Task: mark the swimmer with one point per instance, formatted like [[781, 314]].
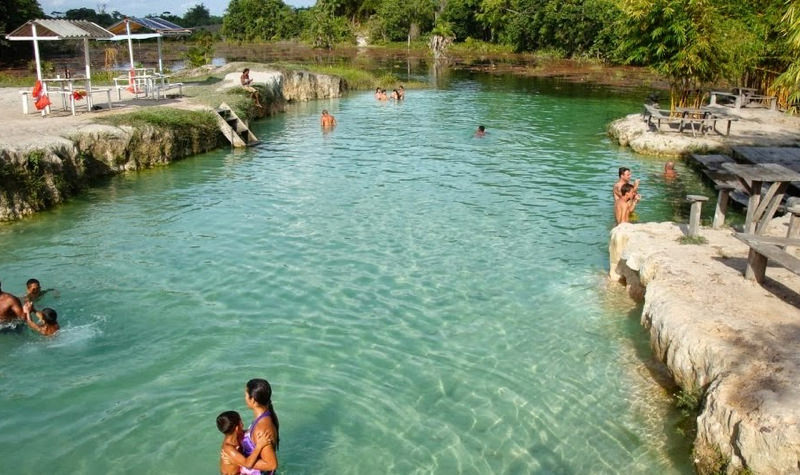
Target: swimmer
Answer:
[[377, 93], [10, 307], [396, 95], [34, 289], [402, 91], [231, 460], [669, 171], [327, 120], [481, 132], [382, 95], [48, 320], [625, 204], [624, 177]]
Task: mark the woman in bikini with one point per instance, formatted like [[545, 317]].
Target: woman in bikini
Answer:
[[258, 396]]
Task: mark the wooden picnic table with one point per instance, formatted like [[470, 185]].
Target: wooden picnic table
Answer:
[[752, 177]]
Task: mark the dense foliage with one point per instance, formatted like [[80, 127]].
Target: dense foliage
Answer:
[[13, 13]]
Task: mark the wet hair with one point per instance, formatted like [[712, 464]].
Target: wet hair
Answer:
[[32, 281], [624, 189], [246, 70], [623, 170], [228, 421], [49, 316], [261, 392], [481, 128], [324, 111]]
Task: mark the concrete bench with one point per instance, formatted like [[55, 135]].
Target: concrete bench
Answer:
[[766, 248], [770, 102], [106, 90], [25, 95], [163, 88], [737, 99]]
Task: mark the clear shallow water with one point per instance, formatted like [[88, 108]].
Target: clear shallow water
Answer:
[[421, 301]]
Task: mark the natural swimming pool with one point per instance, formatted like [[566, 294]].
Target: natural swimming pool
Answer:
[[421, 301]]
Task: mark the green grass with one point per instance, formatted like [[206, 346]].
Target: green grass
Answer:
[[692, 240], [472, 46], [168, 118]]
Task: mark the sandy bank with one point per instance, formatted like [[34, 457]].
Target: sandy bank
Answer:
[[754, 127], [732, 339]]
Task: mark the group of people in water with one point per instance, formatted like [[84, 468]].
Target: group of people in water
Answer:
[[626, 194], [397, 94], [251, 452], [13, 310]]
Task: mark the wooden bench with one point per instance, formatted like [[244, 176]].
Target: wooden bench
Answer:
[[652, 113], [767, 248]]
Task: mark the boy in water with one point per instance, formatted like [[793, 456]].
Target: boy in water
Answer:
[[625, 204], [481, 132], [231, 460], [327, 120], [34, 289], [48, 319]]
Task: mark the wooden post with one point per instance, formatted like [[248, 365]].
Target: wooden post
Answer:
[[793, 207], [722, 205], [694, 213], [756, 266]]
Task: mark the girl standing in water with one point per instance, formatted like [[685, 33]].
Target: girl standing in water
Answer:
[[258, 396]]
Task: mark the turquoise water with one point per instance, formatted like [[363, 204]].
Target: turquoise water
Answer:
[[421, 301]]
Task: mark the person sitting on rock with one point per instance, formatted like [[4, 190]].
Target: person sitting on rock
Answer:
[[247, 86]]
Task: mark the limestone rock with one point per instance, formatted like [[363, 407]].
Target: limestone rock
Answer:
[[729, 338]]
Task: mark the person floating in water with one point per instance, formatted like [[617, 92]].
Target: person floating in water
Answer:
[[258, 396], [48, 319], [327, 120], [231, 460], [10, 307], [481, 132], [625, 204], [669, 171], [625, 177]]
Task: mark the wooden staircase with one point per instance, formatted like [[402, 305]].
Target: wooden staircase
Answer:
[[234, 128]]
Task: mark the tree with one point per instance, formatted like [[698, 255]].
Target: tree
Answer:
[[788, 83], [254, 20], [677, 38], [397, 21], [198, 15], [13, 13]]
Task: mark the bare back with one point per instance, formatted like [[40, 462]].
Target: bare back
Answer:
[[10, 307]]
